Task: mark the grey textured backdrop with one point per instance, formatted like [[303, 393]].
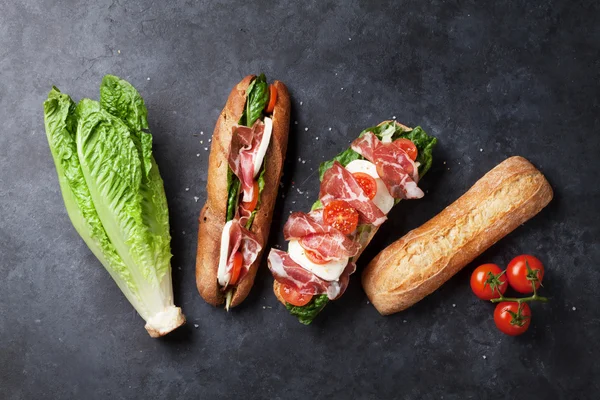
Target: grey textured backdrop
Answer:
[[490, 81]]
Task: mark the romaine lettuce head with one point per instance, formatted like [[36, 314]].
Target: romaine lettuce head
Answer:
[[114, 194]]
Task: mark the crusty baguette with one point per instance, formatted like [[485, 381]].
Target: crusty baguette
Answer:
[[421, 261], [213, 215], [371, 234]]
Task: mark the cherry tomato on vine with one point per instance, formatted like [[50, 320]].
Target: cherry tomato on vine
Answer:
[[487, 280], [511, 318], [522, 271]]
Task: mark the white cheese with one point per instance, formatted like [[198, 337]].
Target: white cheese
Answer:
[[263, 146], [329, 271], [222, 275], [383, 199]]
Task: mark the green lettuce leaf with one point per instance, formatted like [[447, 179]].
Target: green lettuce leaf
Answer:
[[308, 312], [114, 194], [257, 96]]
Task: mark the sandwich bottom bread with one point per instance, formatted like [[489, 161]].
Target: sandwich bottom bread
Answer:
[[421, 261]]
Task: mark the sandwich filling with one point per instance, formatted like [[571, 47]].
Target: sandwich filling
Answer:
[[250, 141], [358, 189]]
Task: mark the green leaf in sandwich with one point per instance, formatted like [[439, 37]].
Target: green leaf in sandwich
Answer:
[[114, 194]]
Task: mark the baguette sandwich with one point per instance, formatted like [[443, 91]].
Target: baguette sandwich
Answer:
[[245, 166], [358, 189], [421, 261]]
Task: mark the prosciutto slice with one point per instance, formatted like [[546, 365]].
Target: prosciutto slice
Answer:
[[339, 184], [286, 271], [244, 148], [241, 239], [394, 166], [325, 241]]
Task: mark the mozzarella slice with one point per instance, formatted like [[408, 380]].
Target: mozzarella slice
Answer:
[[222, 275], [263, 146], [383, 199], [330, 271]]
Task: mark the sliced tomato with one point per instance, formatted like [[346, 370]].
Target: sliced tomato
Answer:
[[367, 184], [251, 205], [272, 99], [314, 257], [408, 146], [292, 296], [238, 260], [341, 215]]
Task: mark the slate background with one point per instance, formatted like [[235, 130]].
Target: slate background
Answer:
[[489, 80]]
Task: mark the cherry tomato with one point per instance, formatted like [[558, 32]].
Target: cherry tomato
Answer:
[[341, 215], [238, 260], [272, 99], [251, 205], [487, 280], [520, 277], [367, 184], [294, 297], [408, 146], [512, 319]]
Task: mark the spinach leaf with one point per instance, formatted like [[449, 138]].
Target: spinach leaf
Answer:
[[257, 96], [308, 312], [234, 194]]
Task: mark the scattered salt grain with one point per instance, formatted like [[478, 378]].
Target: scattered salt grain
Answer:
[[299, 159], [305, 129], [301, 103], [209, 140], [187, 189], [148, 78], [342, 88], [202, 142], [317, 138], [300, 191], [196, 325], [119, 51], [330, 128], [206, 149], [349, 38], [574, 308], [303, 161], [295, 122], [484, 357], [444, 162], [197, 154], [394, 117], [202, 132], [196, 199], [454, 305], [183, 232], [480, 149], [404, 321]]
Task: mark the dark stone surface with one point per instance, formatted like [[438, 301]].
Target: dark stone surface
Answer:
[[490, 81]]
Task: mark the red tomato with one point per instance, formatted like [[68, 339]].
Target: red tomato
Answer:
[[520, 277], [487, 280], [512, 320], [251, 205], [314, 257], [294, 297], [367, 183], [408, 146], [272, 99], [341, 215], [238, 260]]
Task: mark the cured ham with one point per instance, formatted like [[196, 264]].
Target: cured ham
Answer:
[[339, 184], [394, 166], [326, 242], [239, 239], [245, 145], [288, 272]]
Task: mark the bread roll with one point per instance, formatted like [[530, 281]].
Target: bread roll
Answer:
[[422, 260]]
